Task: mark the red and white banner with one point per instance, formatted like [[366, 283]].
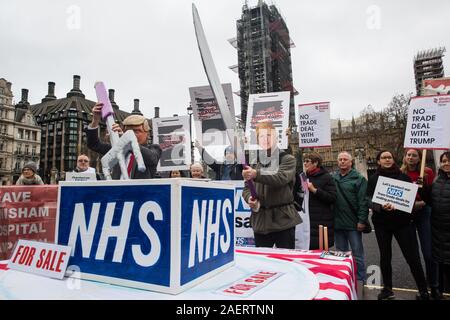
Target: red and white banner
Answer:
[[433, 87], [26, 212], [331, 280], [337, 279]]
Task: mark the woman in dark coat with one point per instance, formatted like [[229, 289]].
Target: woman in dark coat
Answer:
[[322, 196], [422, 214], [440, 221], [388, 223]]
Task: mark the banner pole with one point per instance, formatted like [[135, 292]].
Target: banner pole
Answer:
[[422, 166], [321, 237]]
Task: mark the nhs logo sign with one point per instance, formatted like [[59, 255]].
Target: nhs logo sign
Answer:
[[392, 191], [244, 236], [163, 235]]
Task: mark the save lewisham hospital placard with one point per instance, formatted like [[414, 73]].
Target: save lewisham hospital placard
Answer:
[[398, 193]]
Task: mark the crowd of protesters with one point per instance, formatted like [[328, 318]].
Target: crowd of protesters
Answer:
[[339, 201]]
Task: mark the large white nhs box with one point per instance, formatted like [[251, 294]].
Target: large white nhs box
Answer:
[[164, 235]]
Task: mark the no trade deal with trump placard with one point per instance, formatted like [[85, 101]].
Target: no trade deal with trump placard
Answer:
[[428, 123]]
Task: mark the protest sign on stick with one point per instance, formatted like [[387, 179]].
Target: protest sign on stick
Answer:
[[424, 160], [172, 135], [209, 124], [272, 107], [432, 87], [427, 126], [314, 125]]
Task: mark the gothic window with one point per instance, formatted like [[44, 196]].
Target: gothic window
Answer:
[[73, 125]]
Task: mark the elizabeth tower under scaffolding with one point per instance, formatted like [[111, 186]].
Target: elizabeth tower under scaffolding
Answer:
[[264, 55]]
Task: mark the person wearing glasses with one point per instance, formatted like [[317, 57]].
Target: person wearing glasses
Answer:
[[390, 222], [83, 165], [322, 196]]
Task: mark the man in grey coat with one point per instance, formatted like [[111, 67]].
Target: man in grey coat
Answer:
[[274, 216]]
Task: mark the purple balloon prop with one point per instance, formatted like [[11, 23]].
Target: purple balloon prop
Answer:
[[102, 96], [251, 185]]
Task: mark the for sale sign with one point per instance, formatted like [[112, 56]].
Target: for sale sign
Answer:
[[45, 259]]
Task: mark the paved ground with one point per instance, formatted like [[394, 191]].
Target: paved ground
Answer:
[[403, 282], [401, 276]]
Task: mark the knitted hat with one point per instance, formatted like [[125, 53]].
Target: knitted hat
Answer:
[[30, 165]]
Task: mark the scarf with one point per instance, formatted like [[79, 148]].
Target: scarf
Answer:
[[313, 172], [28, 181], [393, 171]]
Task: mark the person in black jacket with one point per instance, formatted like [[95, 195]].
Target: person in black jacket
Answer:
[[230, 169], [141, 128], [389, 222], [322, 196], [440, 221]]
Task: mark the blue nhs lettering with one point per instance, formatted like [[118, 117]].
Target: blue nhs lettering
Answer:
[[207, 216], [394, 192], [87, 230]]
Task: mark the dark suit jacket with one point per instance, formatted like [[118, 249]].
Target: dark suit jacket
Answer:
[[219, 168], [150, 153]]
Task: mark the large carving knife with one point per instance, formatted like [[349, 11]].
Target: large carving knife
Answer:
[[217, 89]]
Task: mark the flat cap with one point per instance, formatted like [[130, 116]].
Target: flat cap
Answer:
[[136, 120]]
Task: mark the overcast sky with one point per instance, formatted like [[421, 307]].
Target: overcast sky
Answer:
[[350, 52]]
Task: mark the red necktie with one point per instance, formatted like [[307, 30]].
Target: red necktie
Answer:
[[130, 164]]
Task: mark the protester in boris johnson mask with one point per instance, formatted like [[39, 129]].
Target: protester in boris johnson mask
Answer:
[[139, 125]]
